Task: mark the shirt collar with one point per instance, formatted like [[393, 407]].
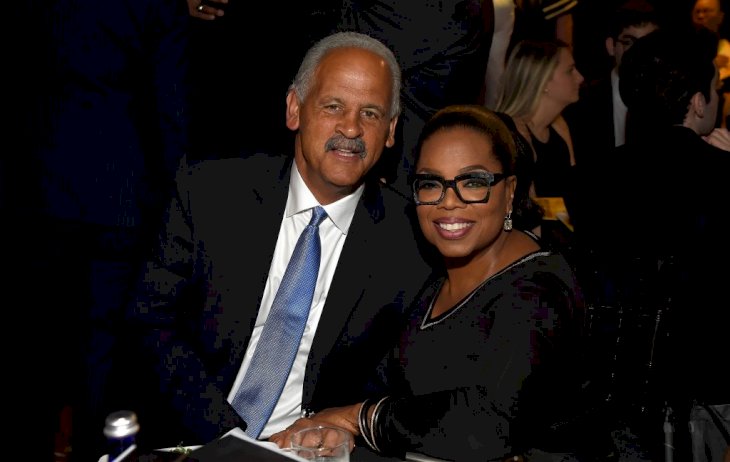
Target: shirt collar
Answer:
[[300, 199]]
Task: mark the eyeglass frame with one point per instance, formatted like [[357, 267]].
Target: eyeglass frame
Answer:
[[493, 179]]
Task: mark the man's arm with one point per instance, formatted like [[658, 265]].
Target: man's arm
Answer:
[[166, 314]]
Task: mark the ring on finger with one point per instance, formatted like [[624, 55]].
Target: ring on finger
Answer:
[[200, 8]]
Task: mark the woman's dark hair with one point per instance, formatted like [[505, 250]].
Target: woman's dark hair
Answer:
[[504, 148]]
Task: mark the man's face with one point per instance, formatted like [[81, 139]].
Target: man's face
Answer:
[[707, 13], [626, 39], [344, 123]]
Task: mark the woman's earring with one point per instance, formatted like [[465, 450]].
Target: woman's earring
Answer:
[[508, 221]]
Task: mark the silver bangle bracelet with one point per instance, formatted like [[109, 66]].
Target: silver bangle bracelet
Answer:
[[372, 422]]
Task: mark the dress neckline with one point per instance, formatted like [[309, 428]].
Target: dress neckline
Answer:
[[428, 322], [535, 138]]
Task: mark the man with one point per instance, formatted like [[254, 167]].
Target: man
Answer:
[[598, 119], [708, 13], [231, 228], [711, 14], [657, 226]]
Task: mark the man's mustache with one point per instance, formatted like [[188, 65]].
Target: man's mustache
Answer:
[[339, 142]]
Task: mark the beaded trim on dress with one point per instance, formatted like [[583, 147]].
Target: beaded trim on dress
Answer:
[[428, 323]]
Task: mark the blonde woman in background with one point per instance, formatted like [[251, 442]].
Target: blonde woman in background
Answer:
[[540, 80]]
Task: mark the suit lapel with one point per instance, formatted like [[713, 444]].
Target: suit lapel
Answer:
[[262, 203], [352, 276]]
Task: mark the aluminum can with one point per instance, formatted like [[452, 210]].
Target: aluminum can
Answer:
[[120, 429]]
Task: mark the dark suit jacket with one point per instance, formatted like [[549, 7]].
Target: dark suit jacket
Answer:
[[591, 127], [658, 241], [442, 49], [202, 294], [591, 121]]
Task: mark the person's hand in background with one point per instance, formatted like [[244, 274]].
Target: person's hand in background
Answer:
[[720, 138], [207, 10]]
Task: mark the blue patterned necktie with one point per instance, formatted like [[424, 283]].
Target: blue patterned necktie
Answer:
[[271, 362]]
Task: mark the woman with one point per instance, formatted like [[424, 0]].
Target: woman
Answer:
[[484, 369], [540, 80]]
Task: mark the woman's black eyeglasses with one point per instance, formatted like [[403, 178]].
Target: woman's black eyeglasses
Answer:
[[471, 188]]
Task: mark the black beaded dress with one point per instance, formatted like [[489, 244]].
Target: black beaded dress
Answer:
[[489, 376], [553, 172]]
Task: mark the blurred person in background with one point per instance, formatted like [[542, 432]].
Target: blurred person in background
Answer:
[[711, 14], [598, 119], [442, 47], [102, 128], [504, 22], [539, 82], [667, 235]]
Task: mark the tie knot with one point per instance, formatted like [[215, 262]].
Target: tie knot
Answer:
[[318, 215]]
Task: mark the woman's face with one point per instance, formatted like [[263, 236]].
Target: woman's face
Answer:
[[456, 228], [564, 85]]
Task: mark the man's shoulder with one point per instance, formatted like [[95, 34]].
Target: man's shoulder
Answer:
[[386, 203], [220, 169], [398, 232]]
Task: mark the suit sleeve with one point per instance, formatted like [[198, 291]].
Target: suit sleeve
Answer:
[[164, 317]]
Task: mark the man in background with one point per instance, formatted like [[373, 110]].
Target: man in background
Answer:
[[656, 231], [598, 119]]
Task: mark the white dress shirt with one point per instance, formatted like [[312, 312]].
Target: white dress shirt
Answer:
[[619, 112], [332, 233]]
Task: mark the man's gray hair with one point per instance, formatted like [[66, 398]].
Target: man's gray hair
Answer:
[[303, 80]]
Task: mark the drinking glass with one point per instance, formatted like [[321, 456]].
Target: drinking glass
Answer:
[[322, 444]]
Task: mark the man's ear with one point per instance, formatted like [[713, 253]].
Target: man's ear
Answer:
[[292, 111], [697, 105], [390, 141], [610, 46]]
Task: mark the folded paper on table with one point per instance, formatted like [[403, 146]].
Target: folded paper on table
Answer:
[[236, 446]]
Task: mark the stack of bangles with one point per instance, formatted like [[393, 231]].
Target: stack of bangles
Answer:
[[369, 430]]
